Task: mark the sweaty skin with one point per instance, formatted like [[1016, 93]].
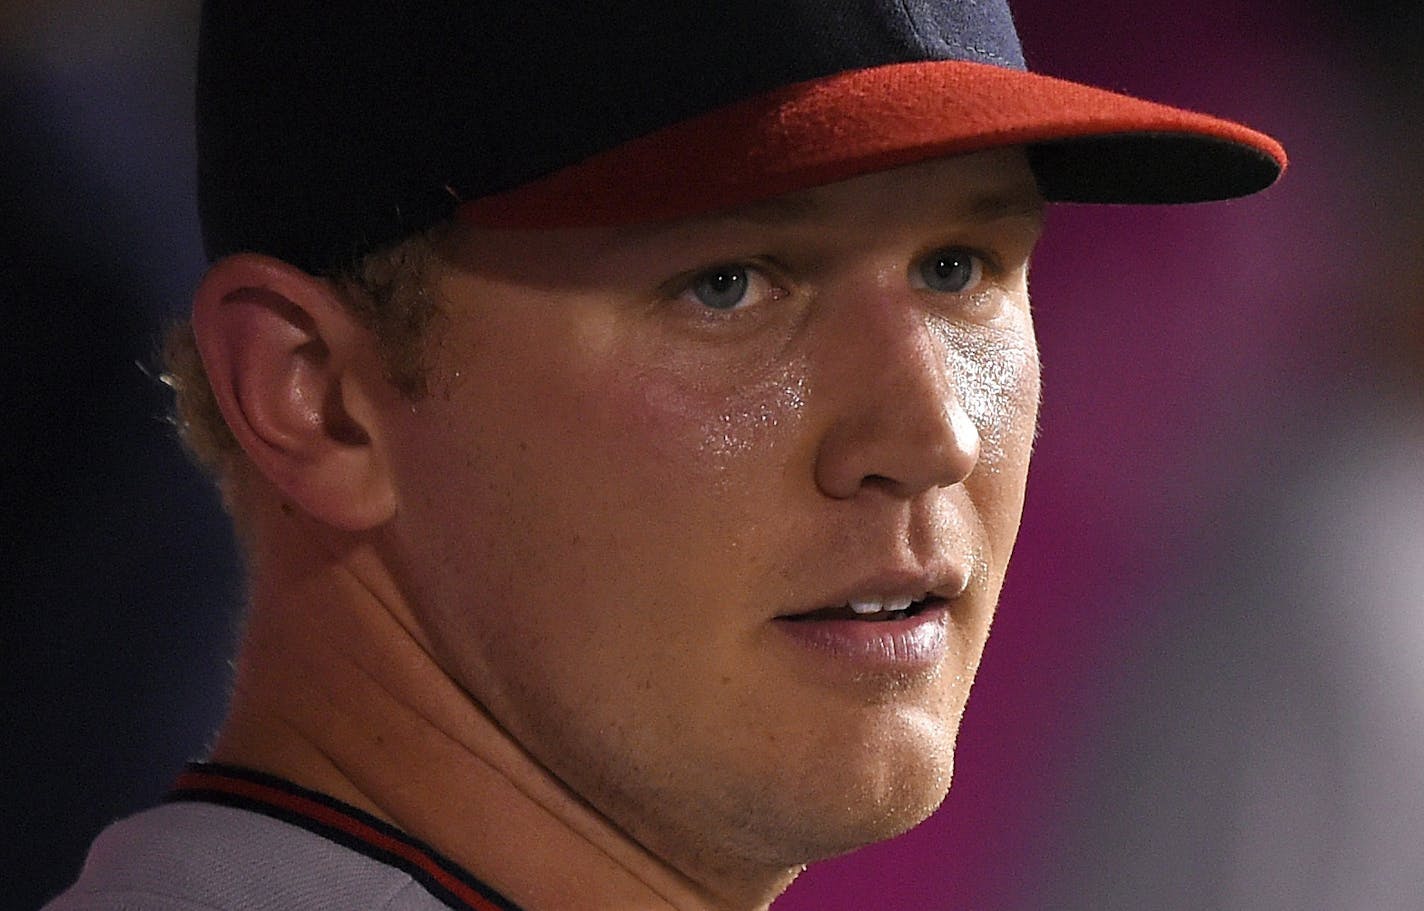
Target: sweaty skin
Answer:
[[569, 648]]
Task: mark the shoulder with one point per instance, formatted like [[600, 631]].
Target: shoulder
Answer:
[[193, 856]]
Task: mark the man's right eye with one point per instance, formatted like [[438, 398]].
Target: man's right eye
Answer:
[[731, 286], [721, 288]]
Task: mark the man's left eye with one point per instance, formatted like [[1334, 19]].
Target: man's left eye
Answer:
[[952, 270], [729, 286]]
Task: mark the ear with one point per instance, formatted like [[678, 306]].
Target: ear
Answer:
[[298, 381]]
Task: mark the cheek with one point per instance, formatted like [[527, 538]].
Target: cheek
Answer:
[[708, 427], [996, 374]]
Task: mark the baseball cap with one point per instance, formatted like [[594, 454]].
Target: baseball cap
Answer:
[[326, 131]]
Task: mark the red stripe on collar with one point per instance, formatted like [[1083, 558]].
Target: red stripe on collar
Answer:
[[342, 823]]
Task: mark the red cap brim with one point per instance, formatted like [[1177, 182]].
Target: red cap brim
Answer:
[[1086, 144]]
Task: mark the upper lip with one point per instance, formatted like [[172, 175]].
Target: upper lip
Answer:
[[893, 585]]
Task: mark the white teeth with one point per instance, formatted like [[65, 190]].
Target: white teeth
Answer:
[[875, 607]]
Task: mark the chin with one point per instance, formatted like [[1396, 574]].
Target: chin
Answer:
[[906, 804], [882, 798]]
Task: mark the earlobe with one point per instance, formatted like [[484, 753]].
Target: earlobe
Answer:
[[296, 378]]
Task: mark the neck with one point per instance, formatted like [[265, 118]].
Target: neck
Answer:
[[337, 691]]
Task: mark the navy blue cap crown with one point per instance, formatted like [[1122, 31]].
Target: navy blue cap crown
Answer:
[[328, 130]]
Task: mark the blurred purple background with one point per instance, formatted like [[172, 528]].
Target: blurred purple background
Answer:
[[1205, 687]]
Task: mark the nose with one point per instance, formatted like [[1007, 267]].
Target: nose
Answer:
[[900, 425]]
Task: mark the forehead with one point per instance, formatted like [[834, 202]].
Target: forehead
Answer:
[[958, 191]]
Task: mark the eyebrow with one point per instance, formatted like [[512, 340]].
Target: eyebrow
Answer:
[[1014, 204]]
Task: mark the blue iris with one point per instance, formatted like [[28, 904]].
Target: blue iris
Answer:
[[721, 288], [952, 271]]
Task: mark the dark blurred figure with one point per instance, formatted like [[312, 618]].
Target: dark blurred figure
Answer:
[[117, 580]]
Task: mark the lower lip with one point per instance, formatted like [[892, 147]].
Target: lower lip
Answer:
[[911, 644]]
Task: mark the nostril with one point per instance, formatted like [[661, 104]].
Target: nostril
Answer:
[[892, 461], [882, 483]]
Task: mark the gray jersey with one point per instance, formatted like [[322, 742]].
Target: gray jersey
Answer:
[[238, 841]]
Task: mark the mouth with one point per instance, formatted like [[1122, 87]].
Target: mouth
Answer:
[[870, 635], [871, 610]]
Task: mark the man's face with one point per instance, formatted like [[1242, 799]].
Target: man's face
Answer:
[[658, 463]]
